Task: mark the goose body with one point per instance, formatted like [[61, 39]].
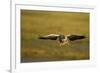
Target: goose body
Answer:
[[62, 38]]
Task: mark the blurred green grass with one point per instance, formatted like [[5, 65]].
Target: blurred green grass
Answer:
[[37, 23]]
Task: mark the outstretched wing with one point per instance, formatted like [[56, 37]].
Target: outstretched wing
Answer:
[[50, 36], [75, 37]]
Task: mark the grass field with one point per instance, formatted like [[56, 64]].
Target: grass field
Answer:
[[38, 23]]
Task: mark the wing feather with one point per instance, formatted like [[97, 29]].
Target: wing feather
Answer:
[[75, 37], [50, 37]]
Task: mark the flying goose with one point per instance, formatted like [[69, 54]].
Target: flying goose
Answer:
[[62, 38]]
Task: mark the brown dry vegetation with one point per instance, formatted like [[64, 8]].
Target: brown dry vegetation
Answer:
[[36, 23]]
